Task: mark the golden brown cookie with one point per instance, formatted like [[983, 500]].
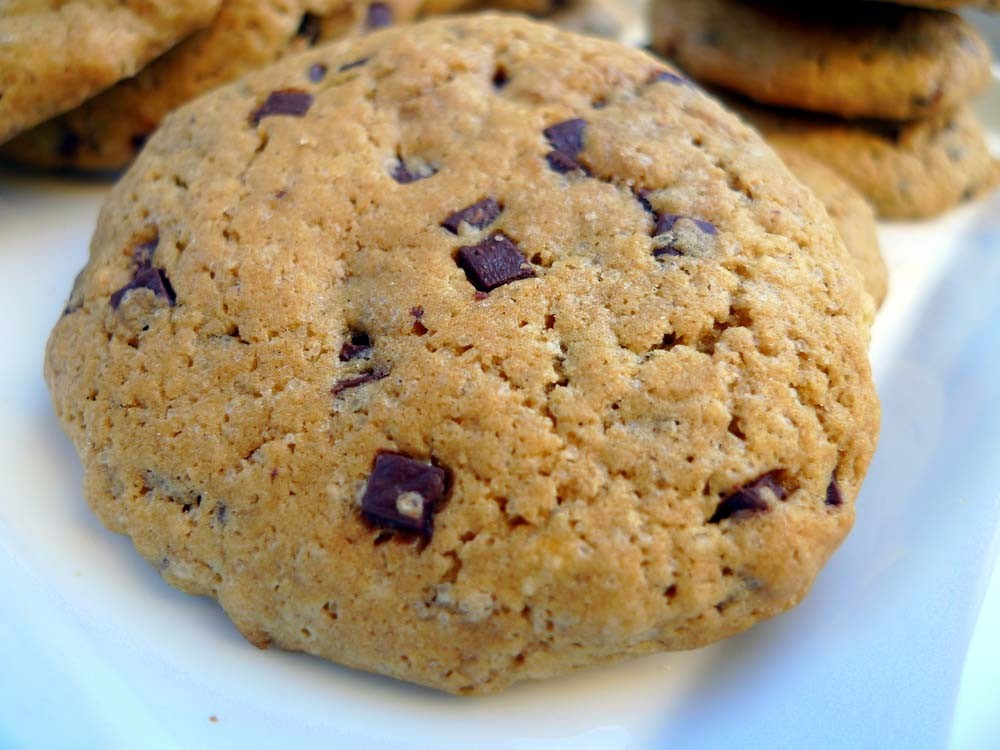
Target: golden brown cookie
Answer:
[[851, 213], [906, 171], [856, 59], [106, 132], [54, 54], [489, 353]]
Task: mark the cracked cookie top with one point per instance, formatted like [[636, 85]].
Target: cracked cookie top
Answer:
[[470, 352]]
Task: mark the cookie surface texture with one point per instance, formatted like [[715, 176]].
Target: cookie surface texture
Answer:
[[53, 55], [494, 353], [106, 132], [852, 215], [853, 60]]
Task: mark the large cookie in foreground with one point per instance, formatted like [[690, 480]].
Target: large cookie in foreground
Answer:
[[470, 352], [106, 132], [53, 55], [854, 59]]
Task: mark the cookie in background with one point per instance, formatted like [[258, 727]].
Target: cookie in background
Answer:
[[878, 92], [55, 55], [106, 132]]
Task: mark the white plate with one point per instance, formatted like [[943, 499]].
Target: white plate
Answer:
[[97, 651]]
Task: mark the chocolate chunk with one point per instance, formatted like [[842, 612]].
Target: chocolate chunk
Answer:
[[479, 215], [317, 72], [667, 249], [403, 493], [833, 496], [378, 15], [493, 262], [354, 64], [748, 499], [563, 164], [154, 279], [290, 102], [138, 140], [367, 377], [402, 174], [500, 77], [665, 222], [310, 28], [567, 136], [666, 75], [142, 254], [359, 346]]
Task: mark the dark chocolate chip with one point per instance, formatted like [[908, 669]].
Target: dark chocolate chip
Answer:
[[154, 279], [666, 75], [310, 28], [403, 494], [378, 15], [667, 249], [354, 64], [500, 77], [493, 262], [833, 496], [359, 346], [142, 254], [138, 140], [317, 72], [666, 222], [563, 164], [402, 174], [367, 377], [479, 215], [748, 498], [567, 136], [290, 102]]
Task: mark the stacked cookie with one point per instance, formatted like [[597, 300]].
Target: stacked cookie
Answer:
[[97, 69], [102, 126], [877, 91], [470, 352]]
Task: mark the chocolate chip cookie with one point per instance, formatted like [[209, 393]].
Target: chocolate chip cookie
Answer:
[[858, 59], [911, 170], [470, 352], [53, 55], [851, 213], [106, 132]]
